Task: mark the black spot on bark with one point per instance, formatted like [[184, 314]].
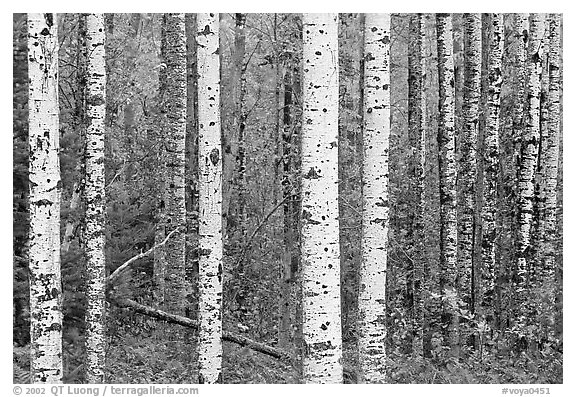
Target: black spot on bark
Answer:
[[96, 100], [215, 156], [204, 252], [312, 174], [45, 32], [374, 28], [206, 30], [49, 18], [318, 53]]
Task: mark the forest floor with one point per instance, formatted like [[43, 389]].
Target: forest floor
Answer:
[[147, 359]]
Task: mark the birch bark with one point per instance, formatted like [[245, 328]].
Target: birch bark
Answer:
[[375, 205], [447, 170], [95, 200], [319, 216], [528, 157], [210, 199], [45, 190], [468, 153]]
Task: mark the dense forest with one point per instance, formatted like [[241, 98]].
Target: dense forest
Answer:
[[287, 198]]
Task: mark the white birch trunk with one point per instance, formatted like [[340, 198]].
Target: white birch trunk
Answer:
[[551, 157], [529, 150], [45, 190], [320, 240], [375, 207], [521, 33], [447, 171], [210, 200], [95, 200], [468, 148]]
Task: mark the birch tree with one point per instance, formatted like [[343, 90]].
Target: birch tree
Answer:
[[95, 200], [551, 156], [44, 199], [210, 200], [528, 154], [468, 145], [375, 207], [490, 164], [319, 215], [447, 170], [417, 138], [520, 49], [174, 106]]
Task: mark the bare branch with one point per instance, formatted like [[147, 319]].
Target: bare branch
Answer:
[[187, 322], [114, 276]]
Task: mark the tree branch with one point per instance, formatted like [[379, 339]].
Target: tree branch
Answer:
[[255, 232], [189, 323], [114, 276]]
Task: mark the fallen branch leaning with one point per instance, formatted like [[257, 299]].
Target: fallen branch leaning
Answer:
[[186, 322]]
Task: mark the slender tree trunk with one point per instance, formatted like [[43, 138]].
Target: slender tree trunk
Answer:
[[537, 237], [240, 120], [490, 164], [528, 158], [210, 200], [447, 168], [375, 205], [130, 108], [417, 137], [80, 120], [44, 199], [159, 179], [174, 108], [468, 147], [289, 256], [521, 34], [320, 237], [192, 166], [551, 156], [95, 201]]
